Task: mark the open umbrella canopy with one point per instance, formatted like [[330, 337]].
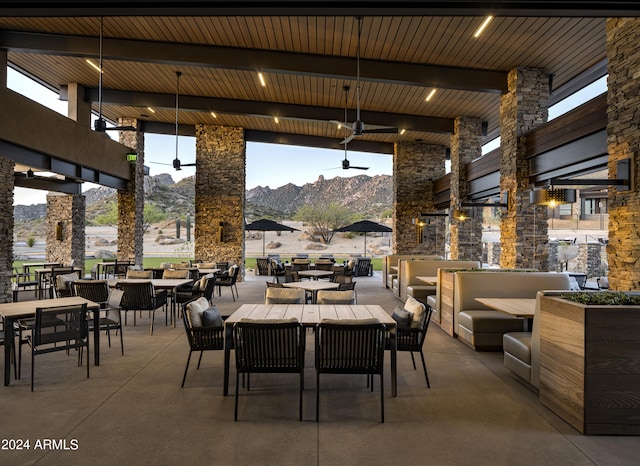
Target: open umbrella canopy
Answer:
[[265, 224], [365, 226]]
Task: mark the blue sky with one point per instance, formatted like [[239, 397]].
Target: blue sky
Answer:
[[272, 165]]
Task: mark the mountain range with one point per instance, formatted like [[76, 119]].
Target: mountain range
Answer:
[[365, 195]]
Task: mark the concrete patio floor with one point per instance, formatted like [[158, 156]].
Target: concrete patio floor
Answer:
[[133, 411]]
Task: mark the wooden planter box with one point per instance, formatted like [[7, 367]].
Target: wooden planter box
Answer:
[[447, 283], [590, 365]]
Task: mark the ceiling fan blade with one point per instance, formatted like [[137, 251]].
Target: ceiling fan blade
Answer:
[[359, 168], [382, 130], [162, 163], [188, 164], [348, 139], [341, 124]]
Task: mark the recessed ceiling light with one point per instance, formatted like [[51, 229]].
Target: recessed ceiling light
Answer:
[[483, 26], [402, 131], [264, 84], [214, 115], [433, 91], [94, 65], [276, 120], [151, 110]]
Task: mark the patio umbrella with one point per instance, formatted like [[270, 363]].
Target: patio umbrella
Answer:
[[267, 225], [365, 226]]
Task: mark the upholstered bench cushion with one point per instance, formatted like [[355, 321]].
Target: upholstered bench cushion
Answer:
[[390, 278], [486, 321], [421, 291], [518, 344]]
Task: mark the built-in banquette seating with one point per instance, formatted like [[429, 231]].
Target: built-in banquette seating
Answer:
[[483, 328], [389, 275], [409, 271], [522, 349]]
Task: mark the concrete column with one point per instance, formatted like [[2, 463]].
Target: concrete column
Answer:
[[523, 228], [466, 235], [415, 166], [65, 228], [220, 193], [6, 227], [623, 128], [131, 200], [77, 109]]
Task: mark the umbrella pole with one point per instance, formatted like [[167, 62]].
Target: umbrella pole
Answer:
[[264, 233], [365, 244]]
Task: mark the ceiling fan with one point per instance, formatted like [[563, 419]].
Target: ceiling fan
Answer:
[[100, 124], [358, 128], [346, 165]]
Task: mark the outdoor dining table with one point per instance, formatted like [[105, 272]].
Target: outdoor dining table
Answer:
[[516, 307], [310, 315], [315, 274], [313, 287], [11, 312]]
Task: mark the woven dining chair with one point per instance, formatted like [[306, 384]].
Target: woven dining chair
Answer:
[[412, 340], [141, 296], [268, 346], [350, 347]]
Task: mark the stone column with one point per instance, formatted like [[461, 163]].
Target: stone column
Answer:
[[466, 235], [220, 193], [65, 228], [131, 200], [415, 166], [523, 228], [77, 109], [6, 227], [623, 128]]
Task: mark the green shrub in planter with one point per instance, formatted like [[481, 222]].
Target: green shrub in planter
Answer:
[[605, 298]]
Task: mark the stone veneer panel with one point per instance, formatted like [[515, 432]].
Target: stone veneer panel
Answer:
[[415, 166], [131, 200], [623, 128], [220, 193], [6, 227], [68, 245], [523, 228], [466, 235]]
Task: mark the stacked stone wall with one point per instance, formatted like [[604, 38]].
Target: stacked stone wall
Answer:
[[623, 128], [220, 193], [131, 200], [65, 223], [6, 228], [466, 235], [523, 228], [415, 166]]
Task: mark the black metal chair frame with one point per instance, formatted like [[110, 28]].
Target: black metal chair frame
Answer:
[[266, 347], [229, 281], [69, 332], [98, 291], [350, 349], [263, 265], [141, 296], [201, 339], [363, 267], [412, 340]]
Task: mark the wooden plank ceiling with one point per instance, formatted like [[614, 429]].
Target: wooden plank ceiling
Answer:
[[565, 46]]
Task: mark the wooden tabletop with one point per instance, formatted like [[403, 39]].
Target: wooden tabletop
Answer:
[[517, 307], [428, 280], [28, 308], [310, 314], [315, 273], [160, 283], [312, 285]]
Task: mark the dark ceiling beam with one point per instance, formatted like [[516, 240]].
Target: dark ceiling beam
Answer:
[[272, 137], [391, 72], [325, 8], [48, 184], [267, 109]]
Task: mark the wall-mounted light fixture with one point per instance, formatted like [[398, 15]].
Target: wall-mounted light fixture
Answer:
[[461, 214], [420, 223], [59, 231], [552, 196]]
